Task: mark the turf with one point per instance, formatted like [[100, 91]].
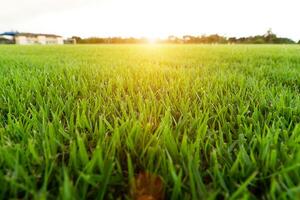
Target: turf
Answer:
[[213, 121]]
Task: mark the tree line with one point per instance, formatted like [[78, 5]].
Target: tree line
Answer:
[[268, 38]]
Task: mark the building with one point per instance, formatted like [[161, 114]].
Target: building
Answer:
[[33, 38]]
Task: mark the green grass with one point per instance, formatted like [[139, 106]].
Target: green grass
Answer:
[[215, 122]]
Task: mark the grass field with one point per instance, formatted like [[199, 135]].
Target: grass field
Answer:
[[213, 122]]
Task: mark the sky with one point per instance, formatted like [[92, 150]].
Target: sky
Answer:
[[151, 18]]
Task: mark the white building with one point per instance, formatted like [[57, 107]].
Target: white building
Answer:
[[32, 38]]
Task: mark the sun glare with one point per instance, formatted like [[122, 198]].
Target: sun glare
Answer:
[[152, 40]]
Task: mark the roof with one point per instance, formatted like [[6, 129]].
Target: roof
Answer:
[[9, 33], [36, 34], [29, 34]]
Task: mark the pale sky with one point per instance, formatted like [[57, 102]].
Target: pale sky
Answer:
[[151, 18]]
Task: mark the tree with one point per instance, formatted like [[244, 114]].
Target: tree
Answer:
[[283, 41], [270, 36], [173, 39], [232, 40], [77, 39], [299, 42]]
